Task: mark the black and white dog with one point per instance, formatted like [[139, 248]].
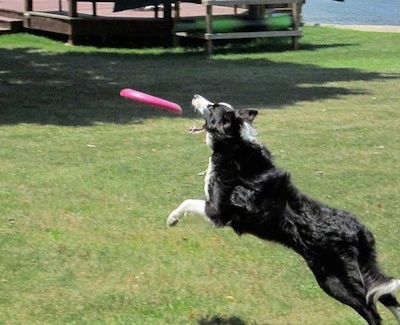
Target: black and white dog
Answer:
[[245, 191]]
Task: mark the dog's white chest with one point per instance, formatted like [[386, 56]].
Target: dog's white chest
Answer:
[[207, 178]]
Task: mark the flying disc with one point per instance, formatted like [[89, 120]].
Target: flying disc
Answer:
[[151, 100]]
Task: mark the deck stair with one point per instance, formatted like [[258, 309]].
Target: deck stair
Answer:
[[10, 25]]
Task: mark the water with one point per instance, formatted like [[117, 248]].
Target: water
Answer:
[[352, 12]]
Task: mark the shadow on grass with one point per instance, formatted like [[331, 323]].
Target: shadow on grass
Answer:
[[220, 320], [272, 45], [80, 88]]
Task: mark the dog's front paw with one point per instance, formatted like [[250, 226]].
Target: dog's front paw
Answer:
[[173, 219]]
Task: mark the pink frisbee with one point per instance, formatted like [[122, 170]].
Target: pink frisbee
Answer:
[[151, 100]]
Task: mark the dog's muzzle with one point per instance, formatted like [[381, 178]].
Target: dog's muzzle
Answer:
[[200, 104]]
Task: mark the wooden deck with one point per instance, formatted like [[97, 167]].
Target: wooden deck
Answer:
[[105, 9], [142, 26], [82, 22]]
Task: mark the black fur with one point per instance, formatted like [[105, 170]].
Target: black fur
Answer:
[[247, 192]]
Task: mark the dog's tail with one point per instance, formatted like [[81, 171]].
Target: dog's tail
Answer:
[[385, 292], [388, 287], [379, 286]]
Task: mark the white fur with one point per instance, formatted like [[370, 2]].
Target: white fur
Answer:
[[225, 104], [209, 140], [192, 207], [248, 133], [187, 207], [207, 178], [388, 287], [200, 103]]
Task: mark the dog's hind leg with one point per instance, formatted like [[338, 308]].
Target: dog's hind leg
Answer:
[[385, 293], [187, 207], [343, 282], [380, 287], [391, 303]]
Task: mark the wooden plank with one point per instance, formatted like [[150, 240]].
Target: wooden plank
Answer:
[[48, 24], [48, 15], [222, 36], [198, 35]]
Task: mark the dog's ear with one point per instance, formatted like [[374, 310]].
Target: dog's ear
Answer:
[[248, 115]]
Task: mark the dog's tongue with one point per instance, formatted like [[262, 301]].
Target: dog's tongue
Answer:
[[196, 130]]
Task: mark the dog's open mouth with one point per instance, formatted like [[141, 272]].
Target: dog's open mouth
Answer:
[[199, 104], [196, 130]]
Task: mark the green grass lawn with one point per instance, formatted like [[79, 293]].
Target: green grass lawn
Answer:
[[88, 178]]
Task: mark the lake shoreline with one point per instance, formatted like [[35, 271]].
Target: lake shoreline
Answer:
[[364, 28]]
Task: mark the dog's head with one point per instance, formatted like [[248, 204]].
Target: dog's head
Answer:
[[223, 122]]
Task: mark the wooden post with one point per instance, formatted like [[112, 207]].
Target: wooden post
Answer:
[[94, 8], [168, 10], [168, 22], [72, 12], [175, 40], [209, 30], [256, 11], [28, 5], [177, 10], [296, 14]]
